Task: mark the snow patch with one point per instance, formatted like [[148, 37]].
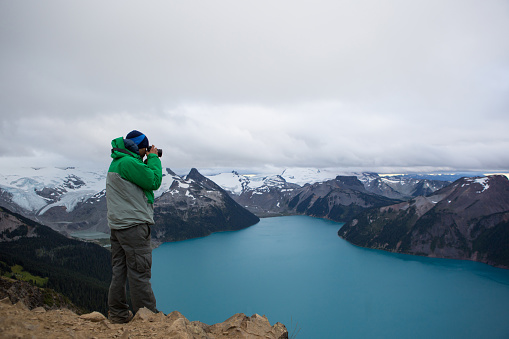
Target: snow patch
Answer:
[[188, 194], [26, 199], [484, 183], [232, 182], [481, 181], [183, 185], [69, 200]]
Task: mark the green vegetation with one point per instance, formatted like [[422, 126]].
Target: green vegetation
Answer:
[[17, 272], [294, 330]]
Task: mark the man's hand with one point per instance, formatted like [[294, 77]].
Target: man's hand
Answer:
[[153, 150]]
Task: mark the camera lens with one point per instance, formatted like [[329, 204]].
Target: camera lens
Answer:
[[159, 152]]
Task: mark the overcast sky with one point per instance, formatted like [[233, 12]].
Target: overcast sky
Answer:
[[375, 85]]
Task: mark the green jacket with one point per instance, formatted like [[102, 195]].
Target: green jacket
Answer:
[[130, 186]]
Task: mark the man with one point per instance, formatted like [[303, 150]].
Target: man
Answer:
[[130, 186]]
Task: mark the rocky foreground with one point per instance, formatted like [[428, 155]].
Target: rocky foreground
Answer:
[[18, 321]]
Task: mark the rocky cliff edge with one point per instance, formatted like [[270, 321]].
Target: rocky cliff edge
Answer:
[[18, 321]]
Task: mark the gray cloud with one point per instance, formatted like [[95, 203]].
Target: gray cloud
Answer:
[[372, 84]]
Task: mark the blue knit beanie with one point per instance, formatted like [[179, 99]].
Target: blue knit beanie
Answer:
[[138, 138]]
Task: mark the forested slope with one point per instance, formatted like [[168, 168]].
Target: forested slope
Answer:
[[79, 270]]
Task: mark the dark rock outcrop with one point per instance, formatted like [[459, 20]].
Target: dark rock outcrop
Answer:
[[468, 219], [32, 296]]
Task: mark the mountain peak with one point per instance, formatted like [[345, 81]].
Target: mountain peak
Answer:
[[170, 172], [201, 179], [194, 173], [351, 182]]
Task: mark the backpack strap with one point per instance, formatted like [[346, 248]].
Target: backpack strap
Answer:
[[121, 150]]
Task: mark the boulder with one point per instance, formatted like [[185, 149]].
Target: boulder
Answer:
[[93, 317]]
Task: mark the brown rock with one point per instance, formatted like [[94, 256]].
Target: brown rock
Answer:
[[108, 324], [94, 317], [19, 322], [19, 305], [125, 335], [170, 318], [256, 326], [179, 325], [157, 317], [6, 301], [39, 309], [143, 314]]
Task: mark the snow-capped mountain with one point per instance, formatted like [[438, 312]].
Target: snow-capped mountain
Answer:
[[72, 199], [195, 206], [236, 183], [36, 190], [394, 187], [268, 197], [271, 195]]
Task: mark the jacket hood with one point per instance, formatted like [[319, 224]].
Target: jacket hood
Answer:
[[120, 143]]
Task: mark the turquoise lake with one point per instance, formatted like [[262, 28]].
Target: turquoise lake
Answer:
[[297, 271]]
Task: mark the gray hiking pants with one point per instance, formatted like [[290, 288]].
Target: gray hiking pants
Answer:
[[131, 258]]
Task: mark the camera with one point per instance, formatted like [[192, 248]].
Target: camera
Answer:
[[159, 151]]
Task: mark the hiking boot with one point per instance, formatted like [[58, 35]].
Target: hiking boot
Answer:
[[121, 321]]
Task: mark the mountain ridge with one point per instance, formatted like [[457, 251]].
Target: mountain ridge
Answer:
[[468, 219], [338, 198], [72, 199]]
